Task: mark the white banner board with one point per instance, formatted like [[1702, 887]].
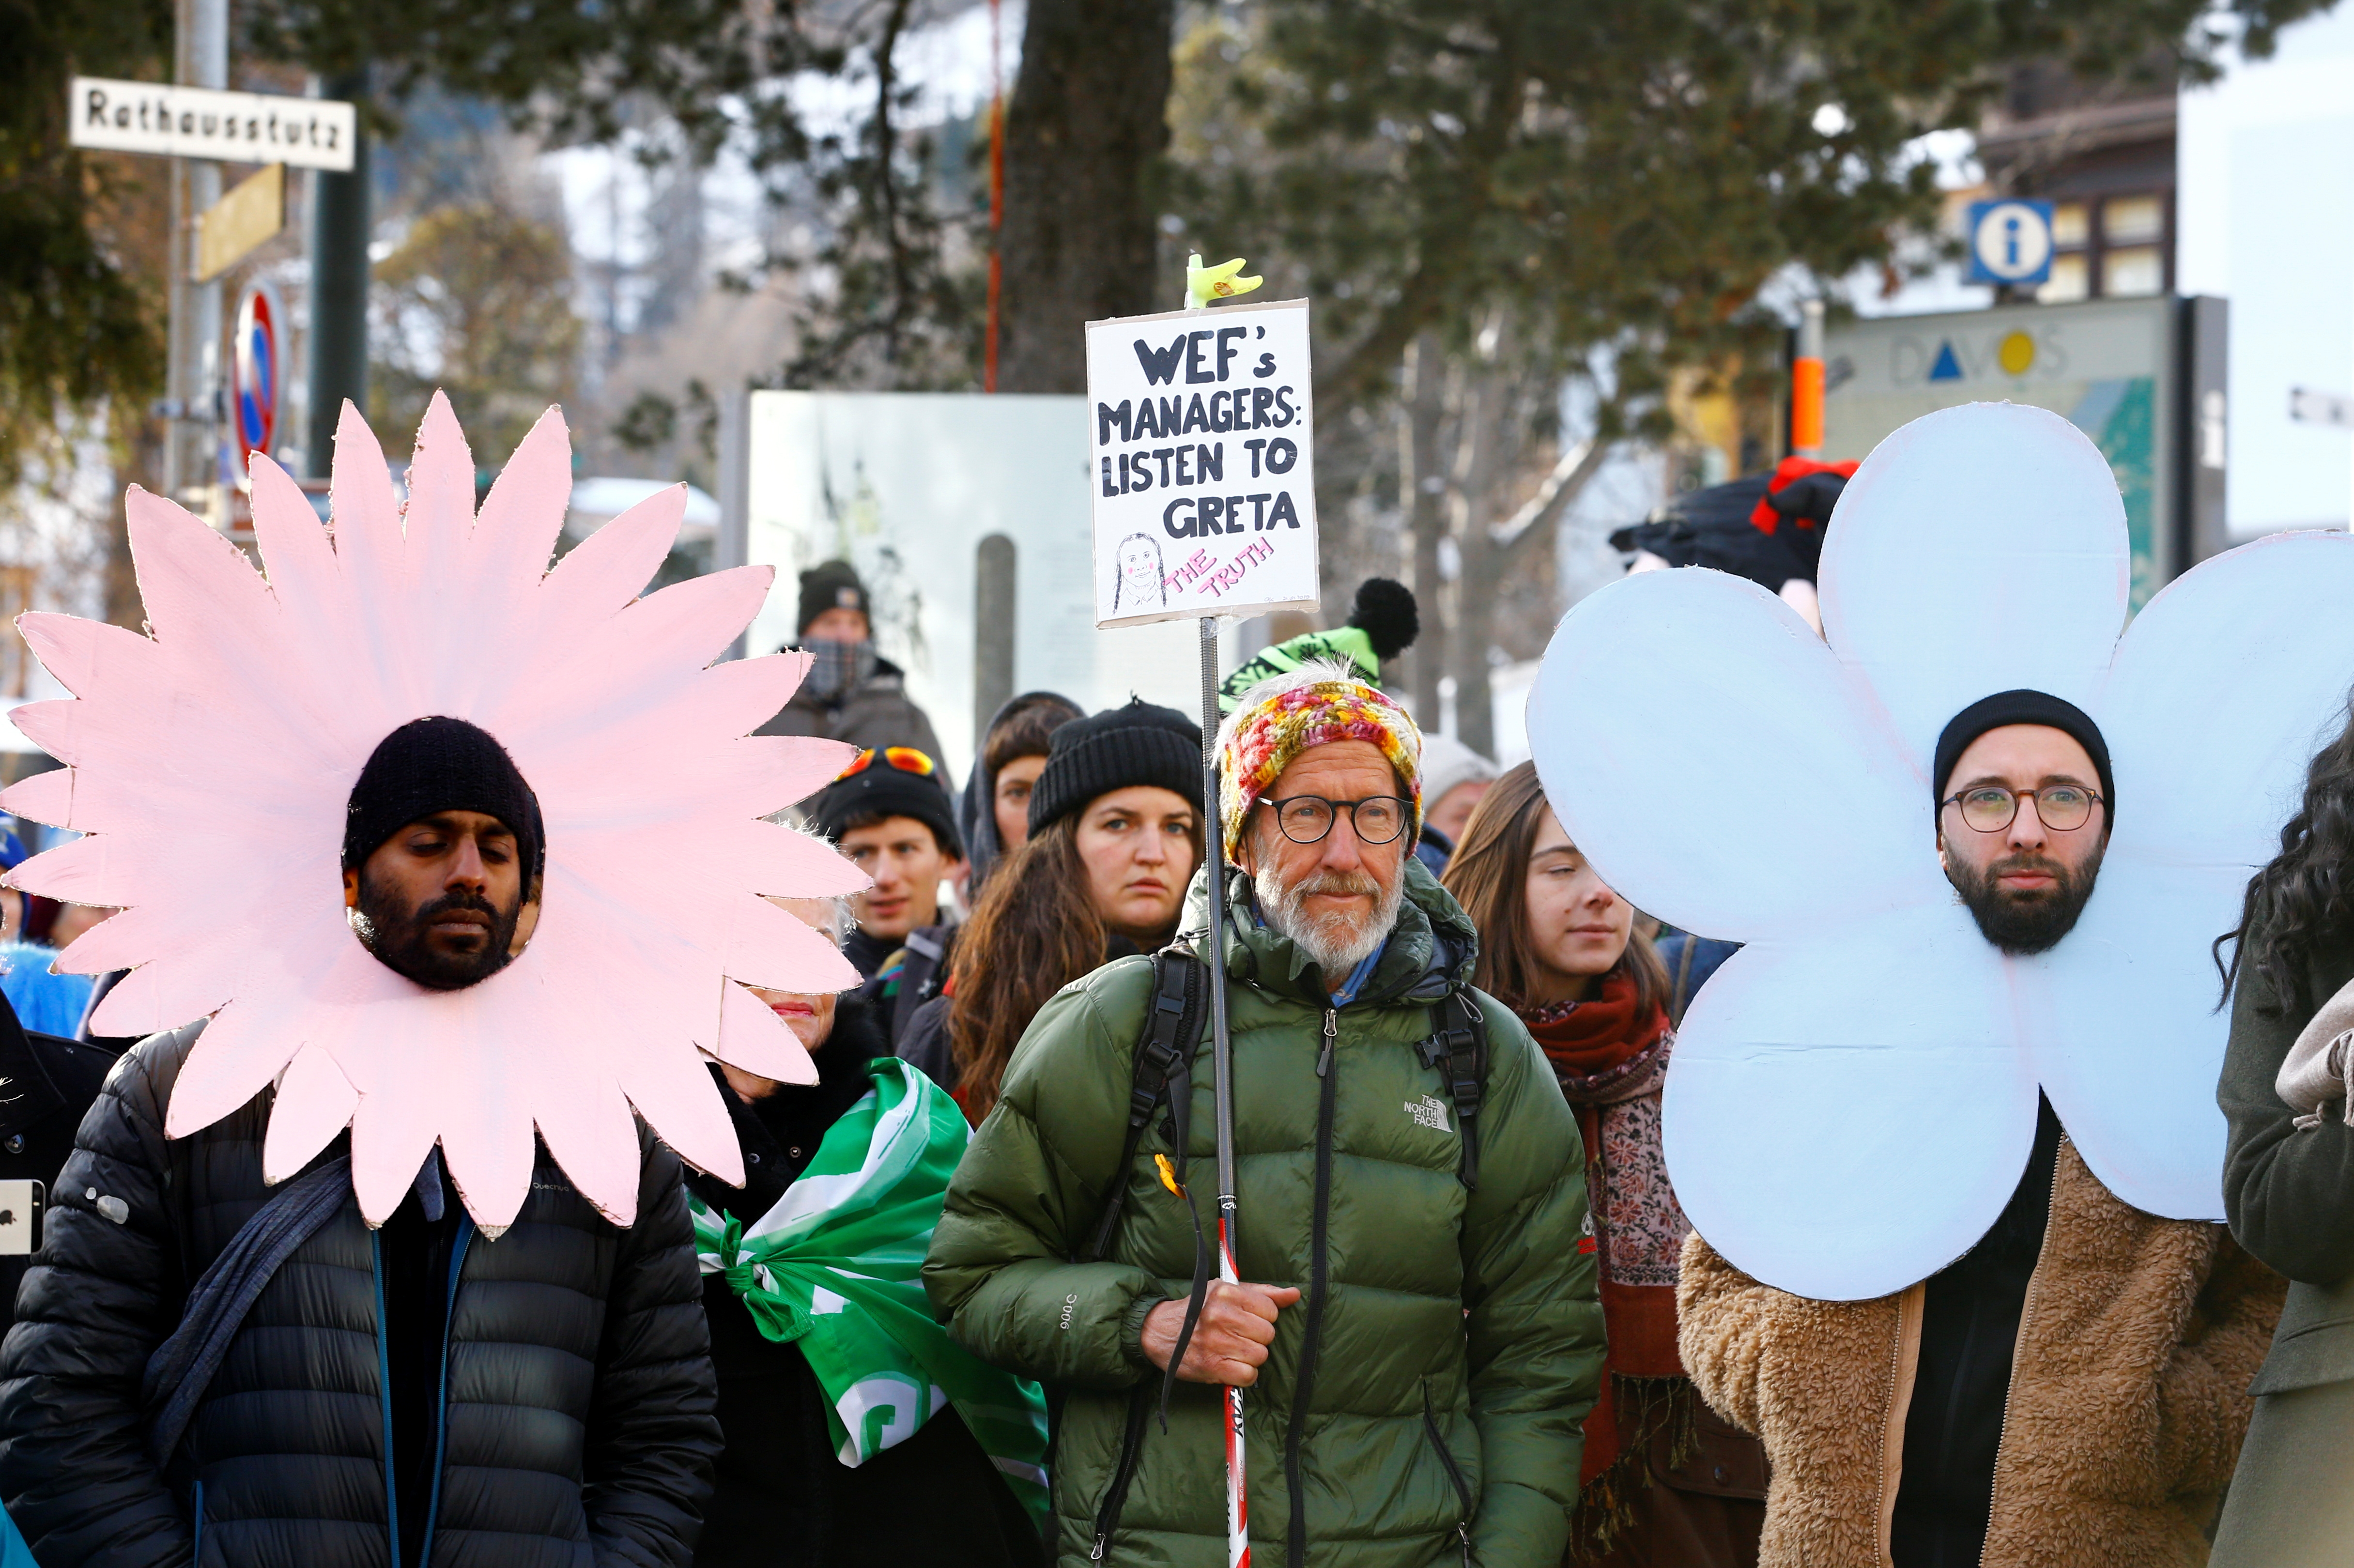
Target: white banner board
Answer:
[[202, 122], [909, 487], [1203, 475]]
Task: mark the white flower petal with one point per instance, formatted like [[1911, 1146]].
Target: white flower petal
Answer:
[[2224, 688], [1719, 767], [1977, 550], [2120, 1025], [1848, 1112]]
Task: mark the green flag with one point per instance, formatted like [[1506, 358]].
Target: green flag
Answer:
[[836, 1268]]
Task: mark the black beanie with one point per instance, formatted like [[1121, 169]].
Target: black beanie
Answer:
[[833, 584], [440, 764], [878, 790], [2022, 707], [1140, 743]]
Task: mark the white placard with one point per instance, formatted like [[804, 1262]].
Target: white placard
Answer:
[[832, 476], [202, 122], [1203, 470]]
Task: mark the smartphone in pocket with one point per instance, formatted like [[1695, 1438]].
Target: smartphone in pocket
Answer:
[[22, 1202]]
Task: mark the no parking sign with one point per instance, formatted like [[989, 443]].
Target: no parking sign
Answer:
[[254, 371]]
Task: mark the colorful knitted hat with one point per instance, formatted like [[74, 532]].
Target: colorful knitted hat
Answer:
[[1313, 705], [1381, 625]]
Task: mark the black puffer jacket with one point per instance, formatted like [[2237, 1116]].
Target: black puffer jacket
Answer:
[[783, 1497], [46, 1086], [578, 1428]]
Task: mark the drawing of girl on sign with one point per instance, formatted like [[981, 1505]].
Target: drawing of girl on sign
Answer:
[[1137, 576]]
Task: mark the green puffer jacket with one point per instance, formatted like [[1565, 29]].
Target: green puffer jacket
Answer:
[[1437, 1419]]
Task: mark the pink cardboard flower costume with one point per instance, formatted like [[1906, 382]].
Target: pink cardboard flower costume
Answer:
[[209, 764]]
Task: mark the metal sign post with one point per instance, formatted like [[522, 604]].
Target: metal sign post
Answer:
[[199, 124], [1222, 1046], [1202, 474], [1222, 1077]]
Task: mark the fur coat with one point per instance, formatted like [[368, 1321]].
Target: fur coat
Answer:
[[2128, 1391]]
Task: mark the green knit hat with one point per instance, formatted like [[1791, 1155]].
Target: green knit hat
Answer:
[[1383, 623]]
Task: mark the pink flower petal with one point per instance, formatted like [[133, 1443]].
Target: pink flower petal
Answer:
[[315, 1102], [213, 763], [121, 942], [751, 1036], [87, 870], [612, 566], [157, 996], [87, 655], [236, 1056], [523, 513], [766, 947], [44, 798], [772, 859]]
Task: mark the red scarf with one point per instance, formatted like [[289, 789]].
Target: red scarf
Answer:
[[1585, 1038], [1604, 1052]]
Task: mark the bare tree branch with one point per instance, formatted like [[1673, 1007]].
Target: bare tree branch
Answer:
[[1577, 466]]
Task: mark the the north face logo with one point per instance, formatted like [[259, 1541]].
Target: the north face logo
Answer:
[[1431, 1113]]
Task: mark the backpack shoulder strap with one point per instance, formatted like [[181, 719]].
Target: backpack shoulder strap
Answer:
[[1679, 996], [1162, 1069], [1458, 1048]]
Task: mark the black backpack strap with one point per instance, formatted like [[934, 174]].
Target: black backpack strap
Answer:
[[1458, 1048], [1680, 995], [1163, 1070]]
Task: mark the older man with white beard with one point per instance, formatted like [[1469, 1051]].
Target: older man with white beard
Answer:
[[1418, 1325]]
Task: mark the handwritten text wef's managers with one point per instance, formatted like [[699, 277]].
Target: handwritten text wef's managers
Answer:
[[1203, 355]]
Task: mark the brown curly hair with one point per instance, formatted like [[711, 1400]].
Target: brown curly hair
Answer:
[[1034, 931]]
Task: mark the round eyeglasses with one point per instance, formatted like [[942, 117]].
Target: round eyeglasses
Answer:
[[1992, 807], [1306, 819]]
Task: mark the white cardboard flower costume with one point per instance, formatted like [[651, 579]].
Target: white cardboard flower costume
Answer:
[[210, 763], [1852, 1097]]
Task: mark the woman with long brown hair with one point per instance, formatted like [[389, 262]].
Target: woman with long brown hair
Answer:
[[1664, 1481], [1115, 836]]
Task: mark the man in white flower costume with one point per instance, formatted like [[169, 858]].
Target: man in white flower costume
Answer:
[[372, 1256], [1947, 1122]]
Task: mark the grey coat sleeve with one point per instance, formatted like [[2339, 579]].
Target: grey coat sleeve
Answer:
[[2288, 1192]]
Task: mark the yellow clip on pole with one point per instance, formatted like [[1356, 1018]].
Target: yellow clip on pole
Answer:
[[1203, 284]]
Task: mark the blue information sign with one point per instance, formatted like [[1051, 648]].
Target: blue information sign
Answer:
[[2010, 241]]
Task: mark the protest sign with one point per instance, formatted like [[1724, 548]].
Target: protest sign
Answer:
[[1203, 472]]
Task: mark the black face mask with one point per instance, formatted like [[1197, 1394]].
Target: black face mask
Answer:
[[2025, 924], [397, 937]]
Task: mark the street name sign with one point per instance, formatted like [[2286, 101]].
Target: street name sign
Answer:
[[204, 122], [227, 231], [2308, 407]]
